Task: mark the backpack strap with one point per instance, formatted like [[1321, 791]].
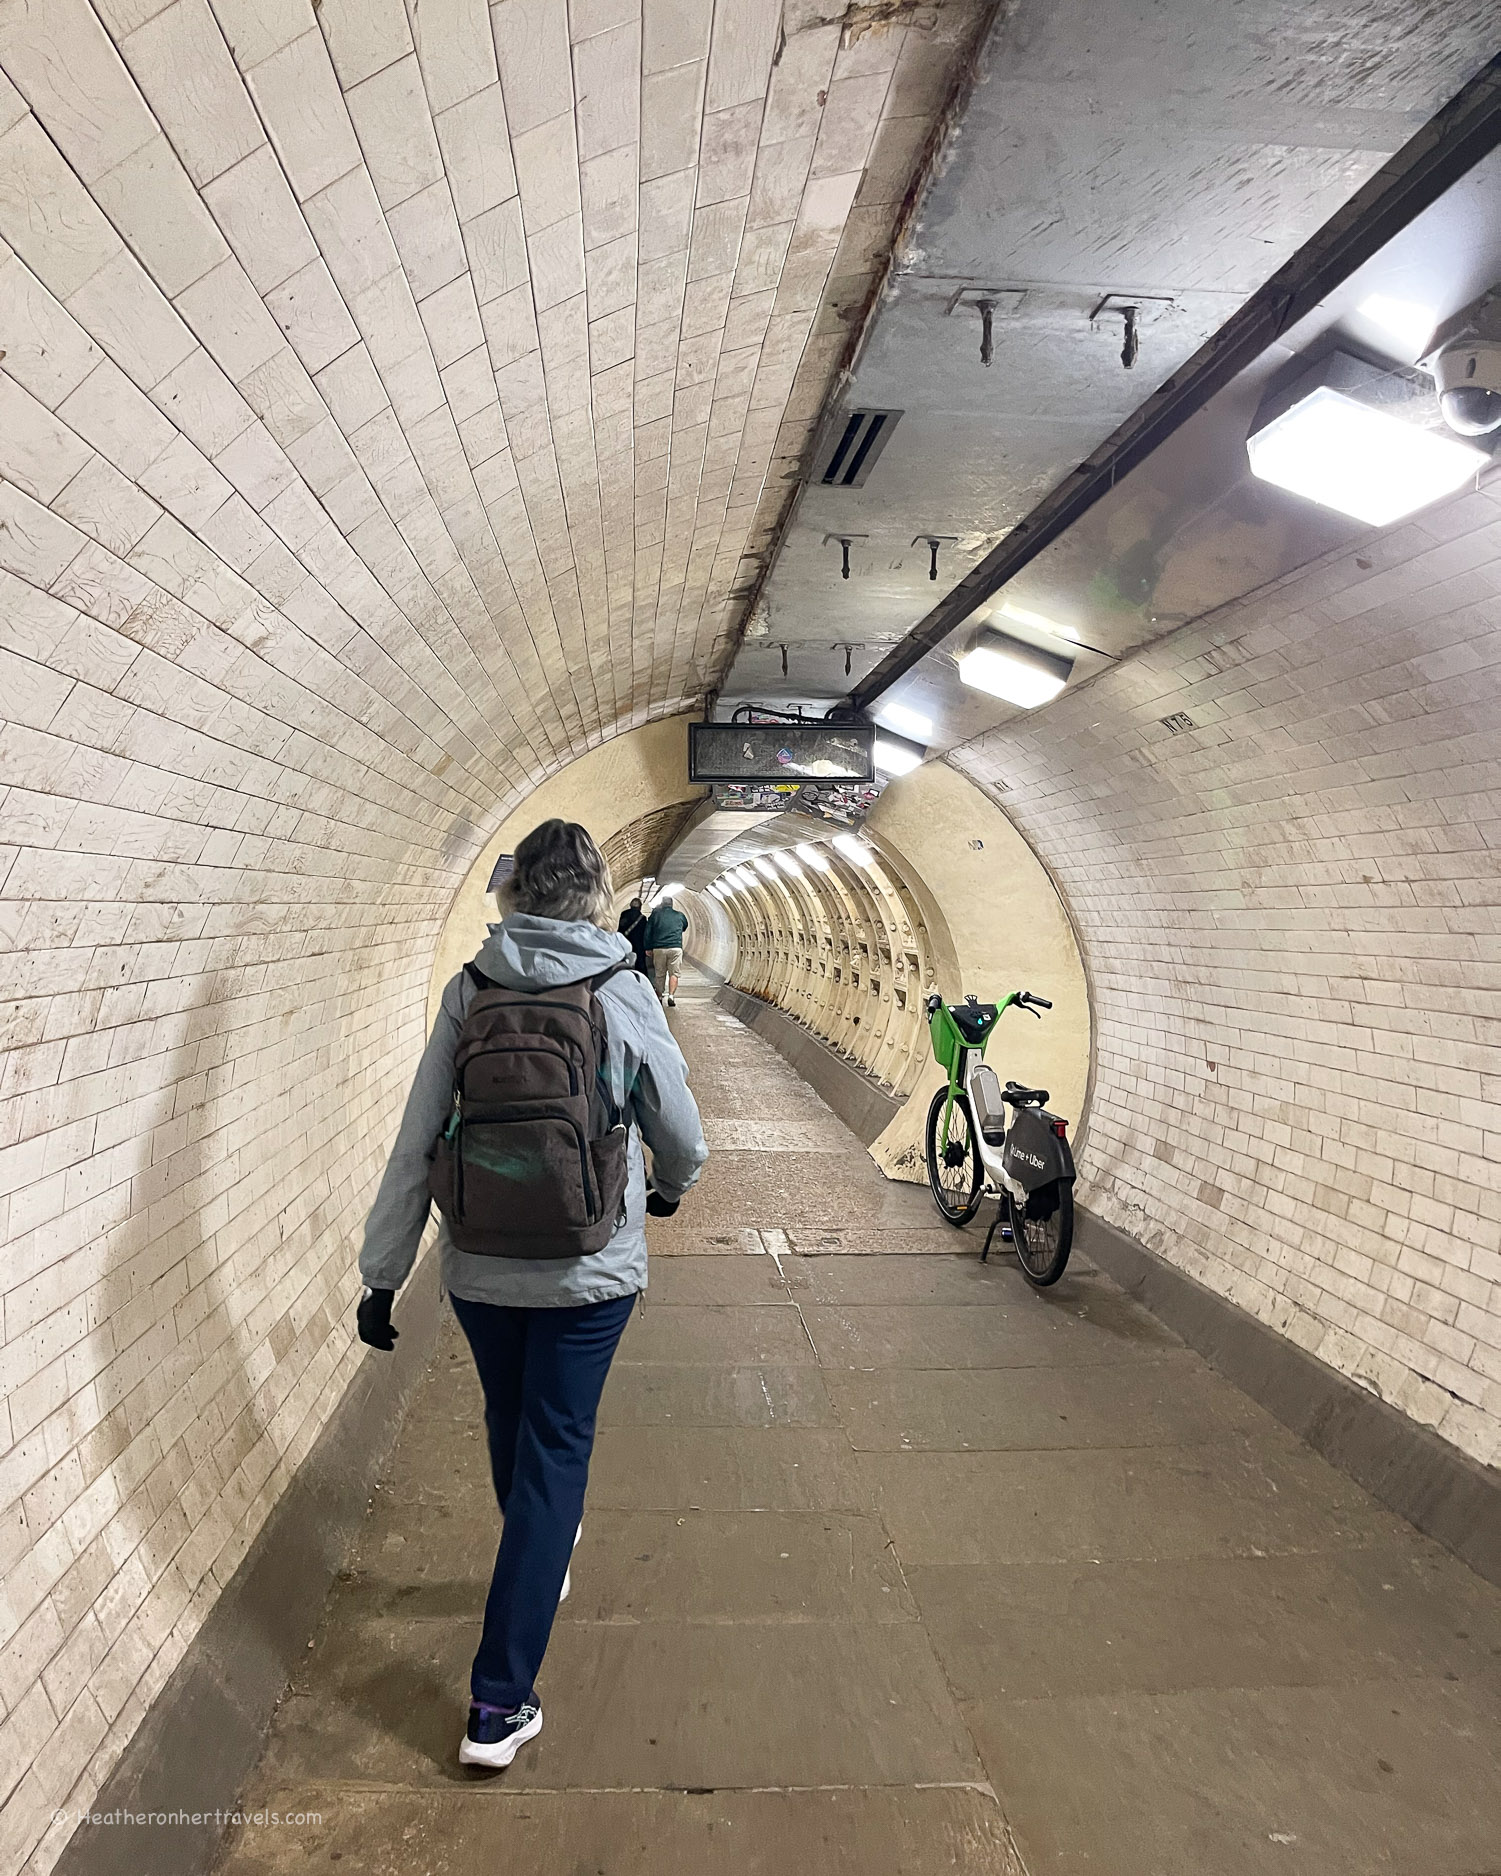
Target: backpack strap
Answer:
[[478, 978], [596, 984]]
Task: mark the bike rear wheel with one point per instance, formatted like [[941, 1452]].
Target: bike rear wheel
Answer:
[[1042, 1231], [955, 1175]]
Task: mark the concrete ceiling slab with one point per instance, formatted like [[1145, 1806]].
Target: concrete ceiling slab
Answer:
[[1171, 155]]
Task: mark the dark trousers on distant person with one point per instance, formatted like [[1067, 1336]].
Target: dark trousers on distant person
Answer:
[[543, 1371]]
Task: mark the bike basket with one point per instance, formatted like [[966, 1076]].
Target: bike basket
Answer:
[[946, 1039]]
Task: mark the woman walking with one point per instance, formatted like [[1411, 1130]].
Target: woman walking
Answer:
[[549, 1063]]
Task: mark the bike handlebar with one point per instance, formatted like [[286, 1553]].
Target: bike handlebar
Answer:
[[1025, 998]]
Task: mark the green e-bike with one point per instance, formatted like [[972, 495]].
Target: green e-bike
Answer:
[[982, 1137]]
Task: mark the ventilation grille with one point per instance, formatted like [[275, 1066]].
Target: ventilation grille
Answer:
[[856, 441]]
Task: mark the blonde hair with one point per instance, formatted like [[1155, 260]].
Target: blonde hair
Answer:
[[559, 873]]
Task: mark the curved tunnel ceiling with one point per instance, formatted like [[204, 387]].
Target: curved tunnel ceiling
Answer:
[[438, 363]]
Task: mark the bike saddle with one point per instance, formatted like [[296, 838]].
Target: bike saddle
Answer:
[[1019, 1096]]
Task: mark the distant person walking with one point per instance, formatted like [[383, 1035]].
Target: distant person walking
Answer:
[[548, 1065], [664, 939], [633, 926]]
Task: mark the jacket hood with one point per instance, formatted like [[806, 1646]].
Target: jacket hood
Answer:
[[528, 953]]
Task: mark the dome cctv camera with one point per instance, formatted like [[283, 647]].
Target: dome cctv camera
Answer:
[[1467, 375]]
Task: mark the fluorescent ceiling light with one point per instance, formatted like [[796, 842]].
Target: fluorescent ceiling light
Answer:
[[1023, 617], [1408, 323], [666, 892], [1359, 461], [907, 722], [747, 876], [787, 863], [810, 856], [764, 867], [854, 849], [895, 758], [1017, 673]]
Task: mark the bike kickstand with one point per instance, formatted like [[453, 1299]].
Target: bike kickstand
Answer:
[[985, 1254]]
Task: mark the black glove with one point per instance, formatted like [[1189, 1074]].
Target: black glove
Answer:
[[374, 1319], [658, 1207]]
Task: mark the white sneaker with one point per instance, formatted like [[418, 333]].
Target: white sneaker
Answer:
[[493, 1739], [568, 1573]]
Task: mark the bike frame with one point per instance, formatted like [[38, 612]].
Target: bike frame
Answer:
[[964, 1058]]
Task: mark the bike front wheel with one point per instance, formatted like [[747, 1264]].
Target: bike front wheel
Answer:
[[954, 1172], [1042, 1231]]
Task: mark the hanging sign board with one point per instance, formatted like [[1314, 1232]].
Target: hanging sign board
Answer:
[[781, 752]]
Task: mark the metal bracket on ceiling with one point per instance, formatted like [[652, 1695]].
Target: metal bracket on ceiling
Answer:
[[987, 302], [844, 541], [1002, 299], [1133, 310], [933, 542]]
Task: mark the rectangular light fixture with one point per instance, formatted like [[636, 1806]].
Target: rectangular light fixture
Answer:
[[907, 722], [787, 863], [1023, 616], [1359, 460], [810, 856], [896, 758], [764, 866], [1012, 670]]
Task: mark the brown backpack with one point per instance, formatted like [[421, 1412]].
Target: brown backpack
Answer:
[[532, 1162]]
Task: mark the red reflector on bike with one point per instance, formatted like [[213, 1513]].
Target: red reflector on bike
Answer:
[[1060, 1127]]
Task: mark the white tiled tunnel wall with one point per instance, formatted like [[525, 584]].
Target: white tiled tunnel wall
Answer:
[[1289, 914], [390, 399]]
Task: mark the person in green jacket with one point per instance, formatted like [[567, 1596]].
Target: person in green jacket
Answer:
[[664, 940]]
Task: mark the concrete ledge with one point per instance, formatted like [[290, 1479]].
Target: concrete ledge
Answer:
[[860, 1102], [205, 1731], [1451, 1497]]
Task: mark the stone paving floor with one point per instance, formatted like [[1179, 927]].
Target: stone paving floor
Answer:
[[891, 1566]]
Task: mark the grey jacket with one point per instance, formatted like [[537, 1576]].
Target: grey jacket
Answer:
[[650, 1082]]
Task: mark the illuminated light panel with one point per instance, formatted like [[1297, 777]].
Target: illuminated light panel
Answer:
[[747, 876], [1023, 617], [787, 863], [811, 856], [906, 723], [1410, 324], [1359, 461], [1019, 674], [894, 758], [854, 849], [764, 866]]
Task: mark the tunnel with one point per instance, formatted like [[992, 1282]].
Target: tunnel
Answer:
[[988, 509]]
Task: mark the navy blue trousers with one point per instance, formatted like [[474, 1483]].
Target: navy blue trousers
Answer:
[[543, 1371]]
